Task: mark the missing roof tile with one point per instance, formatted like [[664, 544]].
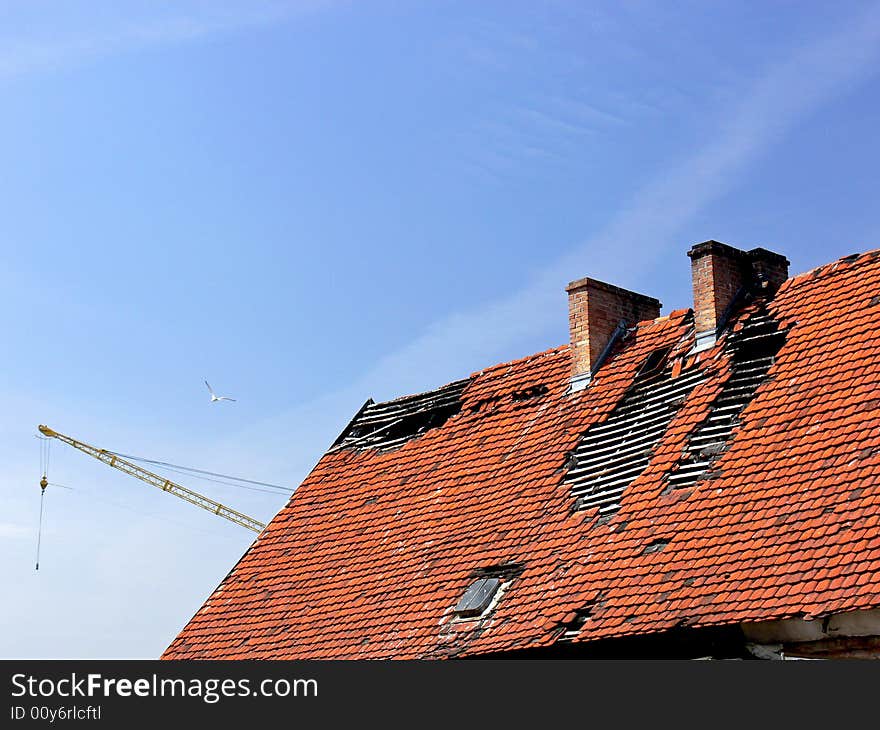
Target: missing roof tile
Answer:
[[506, 571], [519, 397], [655, 546], [573, 624], [533, 391]]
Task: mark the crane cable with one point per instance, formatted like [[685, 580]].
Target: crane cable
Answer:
[[40, 528], [239, 482], [45, 453], [45, 446]]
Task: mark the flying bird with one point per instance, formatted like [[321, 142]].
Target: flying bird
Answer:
[[217, 398]]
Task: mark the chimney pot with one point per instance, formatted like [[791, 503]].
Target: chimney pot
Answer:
[[595, 312]]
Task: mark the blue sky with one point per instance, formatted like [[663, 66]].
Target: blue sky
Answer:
[[311, 203]]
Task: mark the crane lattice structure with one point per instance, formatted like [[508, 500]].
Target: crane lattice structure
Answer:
[[166, 485]]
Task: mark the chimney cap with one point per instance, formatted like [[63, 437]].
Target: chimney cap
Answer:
[[588, 283], [699, 250], [763, 254], [712, 246]]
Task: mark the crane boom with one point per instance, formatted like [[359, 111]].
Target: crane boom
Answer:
[[166, 485]]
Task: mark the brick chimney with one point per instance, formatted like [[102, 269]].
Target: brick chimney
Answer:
[[769, 268], [720, 275], [597, 315]]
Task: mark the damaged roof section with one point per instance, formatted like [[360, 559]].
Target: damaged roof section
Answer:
[[392, 423], [612, 454], [752, 350]]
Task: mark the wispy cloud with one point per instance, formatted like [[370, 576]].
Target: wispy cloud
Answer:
[[583, 112], [501, 146], [813, 75], [52, 46], [544, 119]]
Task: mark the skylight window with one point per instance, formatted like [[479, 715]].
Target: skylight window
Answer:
[[654, 362], [477, 598]]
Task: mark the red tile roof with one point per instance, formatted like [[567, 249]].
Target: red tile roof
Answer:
[[375, 548]]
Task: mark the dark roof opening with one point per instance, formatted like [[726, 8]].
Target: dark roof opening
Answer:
[[393, 423], [655, 546], [533, 391], [572, 626], [654, 362]]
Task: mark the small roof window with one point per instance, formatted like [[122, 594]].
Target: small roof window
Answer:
[[654, 362], [477, 597]]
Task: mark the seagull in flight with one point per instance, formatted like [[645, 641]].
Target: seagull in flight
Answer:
[[217, 398]]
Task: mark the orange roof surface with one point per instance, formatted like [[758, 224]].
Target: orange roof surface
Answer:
[[372, 553]]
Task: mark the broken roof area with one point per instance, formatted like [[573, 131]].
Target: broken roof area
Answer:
[[390, 424], [377, 547]]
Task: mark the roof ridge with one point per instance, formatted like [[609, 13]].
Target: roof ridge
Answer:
[[833, 267], [409, 396], [672, 316], [521, 360], [487, 370]]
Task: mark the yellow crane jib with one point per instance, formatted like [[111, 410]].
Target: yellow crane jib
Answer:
[[166, 485]]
